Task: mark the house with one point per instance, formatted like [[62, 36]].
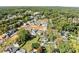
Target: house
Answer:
[[33, 32], [43, 40], [8, 16], [1, 41], [5, 35], [16, 45], [12, 48], [75, 20], [7, 19], [42, 44], [65, 38], [39, 32], [42, 28], [27, 12], [10, 26], [19, 15], [43, 16], [64, 33], [45, 24], [7, 49], [36, 13], [21, 51], [34, 51], [31, 17], [9, 33], [35, 27], [70, 19]]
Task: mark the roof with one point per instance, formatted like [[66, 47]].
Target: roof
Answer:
[[35, 27], [1, 36], [16, 45], [20, 51], [14, 49], [38, 27], [43, 20], [1, 41]]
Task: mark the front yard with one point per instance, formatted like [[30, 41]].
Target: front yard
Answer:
[[28, 45]]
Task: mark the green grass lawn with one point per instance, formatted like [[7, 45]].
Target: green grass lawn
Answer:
[[28, 45], [49, 48]]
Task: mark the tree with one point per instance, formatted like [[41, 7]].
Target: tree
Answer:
[[72, 43], [69, 27], [35, 45], [64, 47], [51, 37], [23, 36]]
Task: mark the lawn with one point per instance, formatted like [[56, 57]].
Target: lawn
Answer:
[[11, 40], [49, 48], [28, 45]]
